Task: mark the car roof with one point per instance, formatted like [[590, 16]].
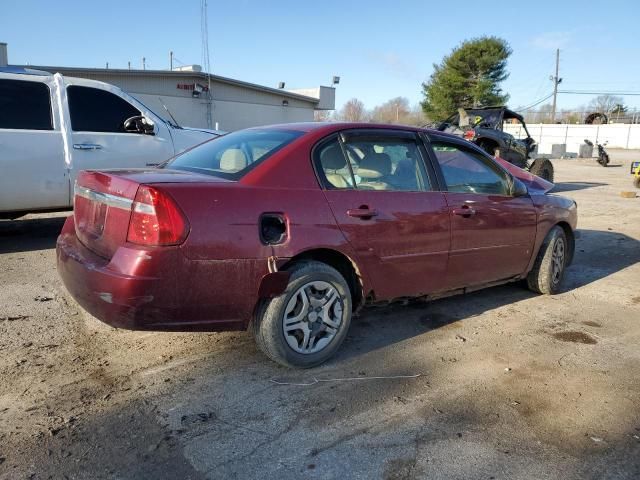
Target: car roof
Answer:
[[329, 127]]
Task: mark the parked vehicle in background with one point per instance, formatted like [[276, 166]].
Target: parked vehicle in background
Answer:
[[289, 229], [51, 127], [603, 156], [635, 171], [484, 127]]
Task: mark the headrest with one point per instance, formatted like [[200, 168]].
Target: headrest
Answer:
[[332, 158], [375, 165], [233, 160]]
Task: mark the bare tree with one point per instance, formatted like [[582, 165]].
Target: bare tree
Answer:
[[322, 115], [605, 104], [353, 111], [395, 110]]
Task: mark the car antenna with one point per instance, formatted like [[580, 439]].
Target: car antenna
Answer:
[[175, 122]]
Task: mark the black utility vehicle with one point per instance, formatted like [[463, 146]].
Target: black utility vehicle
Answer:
[[483, 126]]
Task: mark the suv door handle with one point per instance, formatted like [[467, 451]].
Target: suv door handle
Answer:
[[464, 211], [87, 146], [363, 212]]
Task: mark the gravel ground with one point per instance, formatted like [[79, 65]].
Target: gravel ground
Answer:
[[500, 383]]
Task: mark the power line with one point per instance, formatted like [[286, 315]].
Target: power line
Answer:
[[587, 92], [537, 102]]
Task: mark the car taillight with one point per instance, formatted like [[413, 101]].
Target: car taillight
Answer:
[[469, 135], [156, 220]]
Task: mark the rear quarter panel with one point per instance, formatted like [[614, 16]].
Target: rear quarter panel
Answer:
[[226, 259]]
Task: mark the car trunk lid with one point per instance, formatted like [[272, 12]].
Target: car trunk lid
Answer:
[[104, 202]]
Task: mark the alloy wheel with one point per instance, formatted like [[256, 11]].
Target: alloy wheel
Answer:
[[557, 261], [312, 317]]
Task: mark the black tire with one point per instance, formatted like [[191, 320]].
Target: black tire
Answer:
[[543, 168], [543, 278], [268, 326], [636, 182]]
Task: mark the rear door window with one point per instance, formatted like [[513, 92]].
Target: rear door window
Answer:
[[95, 110], [25, 105], [386, 161]]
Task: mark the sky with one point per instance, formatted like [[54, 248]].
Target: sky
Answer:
[[380, 49]]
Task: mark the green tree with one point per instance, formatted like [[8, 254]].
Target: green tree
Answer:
[[469, 76]]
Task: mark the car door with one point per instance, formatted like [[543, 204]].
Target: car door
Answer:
[[34, 174], [384, 201], [98, 136], [492, 232]]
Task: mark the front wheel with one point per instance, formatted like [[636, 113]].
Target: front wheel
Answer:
[[305, 325], [548, 269]]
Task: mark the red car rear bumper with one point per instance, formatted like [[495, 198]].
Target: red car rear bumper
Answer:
[[159, 289]]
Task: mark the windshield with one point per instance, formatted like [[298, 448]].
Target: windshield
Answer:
[[233, 155]]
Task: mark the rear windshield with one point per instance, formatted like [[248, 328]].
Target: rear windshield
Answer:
[[233, 155]]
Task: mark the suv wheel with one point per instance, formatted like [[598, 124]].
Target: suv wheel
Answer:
[[542, 168]]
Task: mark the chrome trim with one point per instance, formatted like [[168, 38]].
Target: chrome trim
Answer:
[[144, 208], [87, 146], [106, 198]]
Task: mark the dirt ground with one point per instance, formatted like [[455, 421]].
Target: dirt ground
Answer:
[[498, 384]]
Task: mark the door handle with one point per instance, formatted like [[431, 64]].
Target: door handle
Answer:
[[464, 211], [87, 146], [152, 164], [363, 212]]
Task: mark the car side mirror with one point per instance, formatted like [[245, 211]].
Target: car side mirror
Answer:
[[139, 124], [518, 189]]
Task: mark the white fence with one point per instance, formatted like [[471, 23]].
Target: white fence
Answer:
[[617, 135]]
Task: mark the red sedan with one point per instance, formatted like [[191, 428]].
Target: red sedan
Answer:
[[289, 229]]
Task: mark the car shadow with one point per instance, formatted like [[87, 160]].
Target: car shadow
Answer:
[[598, 254], [24, 235], [571, 186]]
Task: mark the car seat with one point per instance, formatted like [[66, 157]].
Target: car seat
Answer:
[[375, 169], [233, 160], [332, 159]]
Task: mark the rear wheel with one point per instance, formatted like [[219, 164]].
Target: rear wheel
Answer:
[[305, 325], [548, 269], [543, 168], [636, 182]]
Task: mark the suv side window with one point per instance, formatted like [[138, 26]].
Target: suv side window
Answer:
[[25, 105], [95, 110], [466, 171]]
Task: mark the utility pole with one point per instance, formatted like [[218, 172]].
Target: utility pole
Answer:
[[171, 60], [556, 81], [144, 63]]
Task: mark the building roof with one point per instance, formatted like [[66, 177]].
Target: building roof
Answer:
[[202, 76]]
